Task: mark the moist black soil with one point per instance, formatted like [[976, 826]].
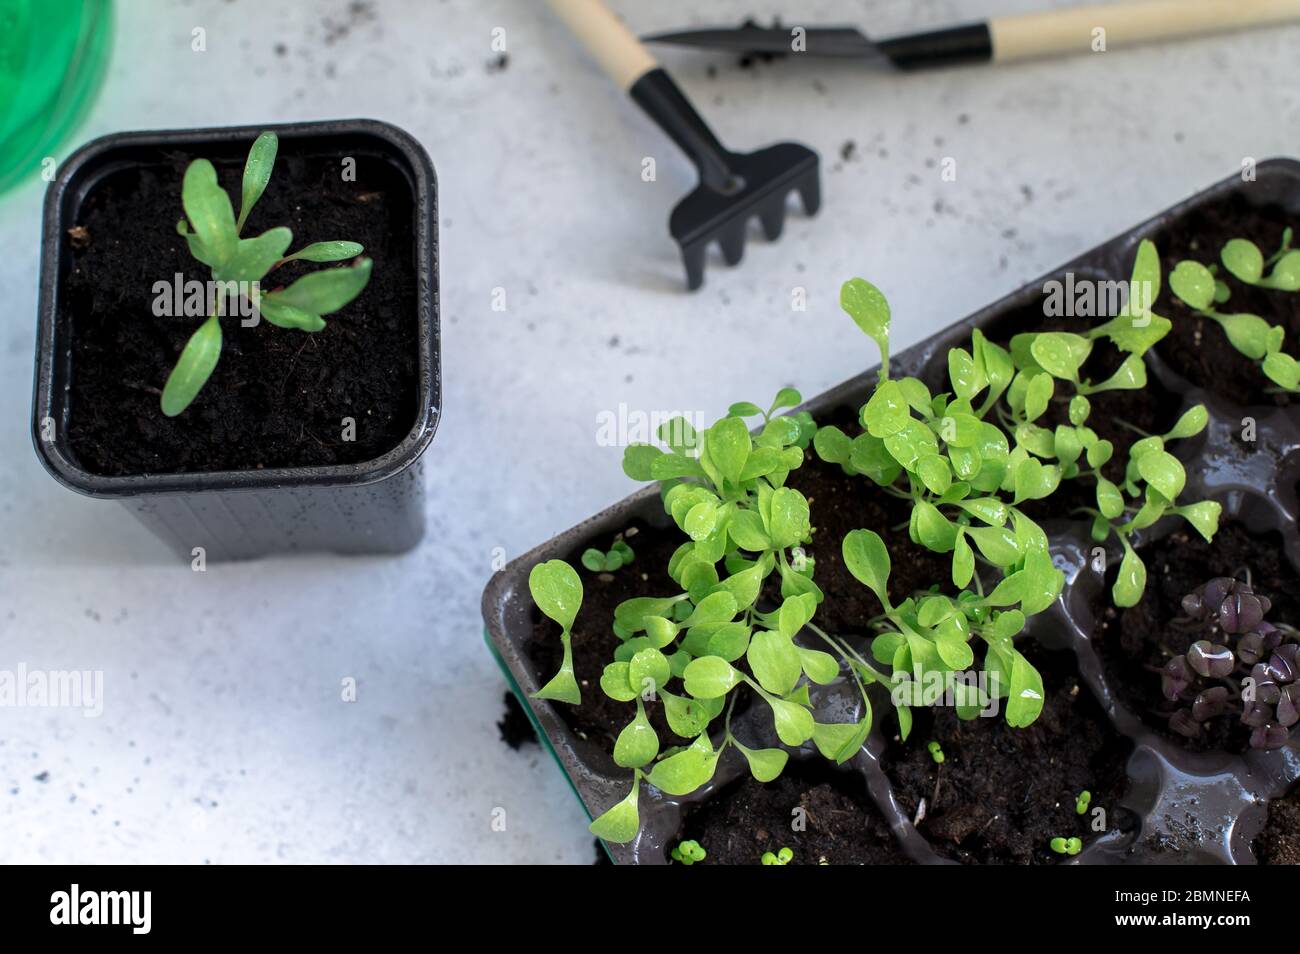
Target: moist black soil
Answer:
[[1133, 641], [514, 725], [278, 397], [841, 825], [1197, 348], [1279, 842], [1002, 794]]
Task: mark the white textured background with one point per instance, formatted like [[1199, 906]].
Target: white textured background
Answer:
[[223, 738]]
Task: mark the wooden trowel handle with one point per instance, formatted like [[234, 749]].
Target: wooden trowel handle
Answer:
[[1073, 29], [614, 46]]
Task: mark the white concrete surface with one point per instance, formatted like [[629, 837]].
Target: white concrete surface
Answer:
[[223, 737]]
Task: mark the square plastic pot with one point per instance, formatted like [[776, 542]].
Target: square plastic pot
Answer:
[[376, 506]]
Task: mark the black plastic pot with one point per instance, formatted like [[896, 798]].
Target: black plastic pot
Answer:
[[1193, 807], [376, 506]]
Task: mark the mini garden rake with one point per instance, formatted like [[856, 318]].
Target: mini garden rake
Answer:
[[734, 187]]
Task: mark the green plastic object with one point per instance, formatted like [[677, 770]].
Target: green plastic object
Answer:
[[53, 56]]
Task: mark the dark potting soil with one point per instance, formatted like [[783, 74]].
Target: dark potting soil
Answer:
[[514, 725], [1279, 842], [278, 397], [840, 823], [1002, 794], [1148, 634], [1197, 348]]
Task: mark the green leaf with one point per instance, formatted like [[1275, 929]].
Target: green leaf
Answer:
[[687, 770], [689, 717], [840, 741], [1283, 370], [1193, 283], [1249, 334], [794, 723], [1025, 699], [963, 562], [637, 744], [1038, 396], [1060, 354], [954, 651], [746, 528], [208, 209], [1129, 376], [1035, 480], [728, 445], [1162, 471], [786, 397], [327, 290], [197, 361], [867, 559], [998, 544], [328, 252], [1204, 516], [718, 607], [286, 316], [1286, 273], [619, 825], [887, 411], [966, 377], [615, 683], [710, 677], [832, 445], [637, 459], [933, 530], [679, 434], [557, 590], [1109, 500], [820, 667], [646, 669], [593, 560], [673, 466], [774, 661], [1244, 260], [257, 173], [869, 309], [1190, 424], [764, 764], [794, 614], [1080, 408], [788, 523], [563, 686], [744, 409], [254, 257], [1132, 579]]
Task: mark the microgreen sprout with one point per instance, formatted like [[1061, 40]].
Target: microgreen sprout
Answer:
[[935, 751], [239, 265], [1244, 666], [688, 852], [1067, 846], [1200, 288], [782, 857], [619, 555], [1082, 802]]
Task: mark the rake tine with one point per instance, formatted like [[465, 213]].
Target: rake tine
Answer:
[[773, 219], [810, 191], [732, 241]]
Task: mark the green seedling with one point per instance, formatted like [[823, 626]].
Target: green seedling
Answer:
[[935, 751], [239, 265], [782, 857], [619, 555], [1200, 288], [1082, 802], [963, 478], [1067, 846], [688, 853]]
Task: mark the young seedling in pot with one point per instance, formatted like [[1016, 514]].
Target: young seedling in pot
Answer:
[[688, 853], [619, 556], [239, 265], [1201, 289], [1244, 666], [782, 857]]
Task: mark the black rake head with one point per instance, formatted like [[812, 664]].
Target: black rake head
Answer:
[[759, 185]]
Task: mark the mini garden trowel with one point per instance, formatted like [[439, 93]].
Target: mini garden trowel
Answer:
[[734, 187], [1084, 29]]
